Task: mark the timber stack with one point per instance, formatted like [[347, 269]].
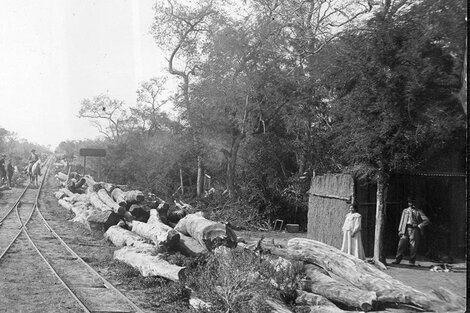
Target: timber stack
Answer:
[[144, 230]]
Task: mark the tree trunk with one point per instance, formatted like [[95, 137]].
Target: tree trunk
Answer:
[[121, 237], [208, 233], [181, 181], [232, 162], [463, 90], [200, 177], [320, 283], [155, 230], [189, 246], [316, 303], [361, 274], [380, 214], [149, 265], [119, 196], [103, 195]]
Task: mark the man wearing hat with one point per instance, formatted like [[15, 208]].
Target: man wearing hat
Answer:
[[410, 230], [3, 173], [33, 158]]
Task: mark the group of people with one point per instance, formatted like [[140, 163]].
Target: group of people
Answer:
[[410, 229], [7, 169]]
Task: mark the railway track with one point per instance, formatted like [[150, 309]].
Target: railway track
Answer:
[[39, 272]]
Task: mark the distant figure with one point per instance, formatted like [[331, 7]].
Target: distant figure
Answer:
[[411, 225], [10, 171], [3, 173], [33, 158], [352, 239]]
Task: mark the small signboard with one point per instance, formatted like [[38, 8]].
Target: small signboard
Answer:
[[92, 152]]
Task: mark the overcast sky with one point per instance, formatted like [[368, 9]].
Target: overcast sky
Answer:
[[55, 53]]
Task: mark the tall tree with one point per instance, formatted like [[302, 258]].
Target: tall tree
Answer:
[[395, 103]]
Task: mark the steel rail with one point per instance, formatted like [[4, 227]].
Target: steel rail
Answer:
[[24, 229], [105, 282], [13, 207]]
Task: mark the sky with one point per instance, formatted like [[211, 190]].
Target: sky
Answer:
[[55, 53]]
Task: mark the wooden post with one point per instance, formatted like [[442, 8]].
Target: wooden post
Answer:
[[379, 257], [181, 181], [200, 177], [84, 165]]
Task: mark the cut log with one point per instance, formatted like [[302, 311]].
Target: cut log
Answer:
[[67, 192], [119, 196], [100, 221], [189, 246], [103, 195], [363, 275], [61, 176], [316, 303], [82, 212], [156, 231], [65, 204], [134, 196], [60, 195], [121, 237], [149, 265], [139, 212], [208, 233], [80, 198], [175, 215], [320, 283], [97, 203], [108, 187]]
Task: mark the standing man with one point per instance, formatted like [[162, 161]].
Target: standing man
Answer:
[[410, 230], [3, 173], [33, 158], [10, 171]]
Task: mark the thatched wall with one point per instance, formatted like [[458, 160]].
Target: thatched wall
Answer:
[[329, 199]]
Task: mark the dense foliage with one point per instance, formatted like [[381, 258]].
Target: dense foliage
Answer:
[[275, 90]]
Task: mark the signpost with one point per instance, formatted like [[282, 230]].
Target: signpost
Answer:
[[84, 152]]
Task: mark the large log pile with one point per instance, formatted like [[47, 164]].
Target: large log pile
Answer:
[[146, 231], [358, 284], [143, 232]]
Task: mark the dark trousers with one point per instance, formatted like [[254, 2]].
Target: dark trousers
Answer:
[[412, 237]]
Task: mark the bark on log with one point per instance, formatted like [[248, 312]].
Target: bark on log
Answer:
[[80, 198], [121, 237], [363, 275], [65, 204], [156, 231], [103, 194], [108, 187], [189, 246], [61, 177], [97, 203], [139, 212], [321, 284], [208, 233], [149, 265], [82, 212], [67, 192], [60, 195], [134, 196], [316, 303], [100, 221], [119, 196]]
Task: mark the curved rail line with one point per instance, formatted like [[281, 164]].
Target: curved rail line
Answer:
[[81, 300]]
